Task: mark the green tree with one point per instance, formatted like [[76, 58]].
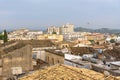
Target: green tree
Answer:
[[112, 41], [5, 36], [54, 32], [1, 36], [92, 41]]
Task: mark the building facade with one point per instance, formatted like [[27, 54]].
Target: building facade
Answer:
[[16, 59], [24, 34], [53, 29], [54, 57], [50, 37], [67, 28]]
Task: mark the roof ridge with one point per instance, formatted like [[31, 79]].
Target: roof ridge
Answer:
[[77, 71]]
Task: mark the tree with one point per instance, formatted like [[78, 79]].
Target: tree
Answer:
[[1, 36], [54, 32], [5, 36], [112, 41], [92, 41]]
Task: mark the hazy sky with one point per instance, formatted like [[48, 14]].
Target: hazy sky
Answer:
[[43, 13]]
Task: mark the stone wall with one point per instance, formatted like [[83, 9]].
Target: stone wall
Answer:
[[53, 59], [18, 58]]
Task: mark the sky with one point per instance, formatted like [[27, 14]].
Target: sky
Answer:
[[37, 14]]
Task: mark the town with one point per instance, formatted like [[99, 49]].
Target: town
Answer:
[[59, 53]]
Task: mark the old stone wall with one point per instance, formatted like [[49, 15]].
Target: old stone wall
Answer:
[[53, 59], [18, 58]]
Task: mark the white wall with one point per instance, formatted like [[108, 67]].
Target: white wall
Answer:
[[70, 56], [16, 70], [77, 65], [41, 55]]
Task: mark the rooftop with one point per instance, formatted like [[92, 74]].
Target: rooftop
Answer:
[[10, 47], [7, 43], [112, 78], [63, 72], [98, 47], [39, 43], [82, 50], [54, 51], [66, 42], [113, 53], [14, 47], [78, 61], [117, 63]]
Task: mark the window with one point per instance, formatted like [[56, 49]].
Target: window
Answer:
[[58, 61], [53, 61], [66, 46], [47, 59]]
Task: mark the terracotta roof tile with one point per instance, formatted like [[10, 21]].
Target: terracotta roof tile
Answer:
[[63, 72]]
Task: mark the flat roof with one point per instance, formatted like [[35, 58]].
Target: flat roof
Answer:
[[54, 51], [117, 63], [77, 61]]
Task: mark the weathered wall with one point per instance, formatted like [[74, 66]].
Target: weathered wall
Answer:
[[18, 58], [53, 59]]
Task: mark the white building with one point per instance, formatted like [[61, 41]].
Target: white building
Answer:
[[118, 39], [53, 29], [76, 61], [33, 34], [24, 34], [67, 28], [73, 36]]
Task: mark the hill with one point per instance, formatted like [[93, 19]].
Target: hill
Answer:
[[101, 30]]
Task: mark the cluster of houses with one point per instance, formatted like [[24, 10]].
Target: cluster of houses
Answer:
[[28, 51], [24, 56]]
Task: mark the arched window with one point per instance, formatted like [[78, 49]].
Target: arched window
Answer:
[[66, 46], [53, 61], [47, 59], [58, 61]]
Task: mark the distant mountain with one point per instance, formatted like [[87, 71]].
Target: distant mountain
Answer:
[[77, 29], [101, 30]]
